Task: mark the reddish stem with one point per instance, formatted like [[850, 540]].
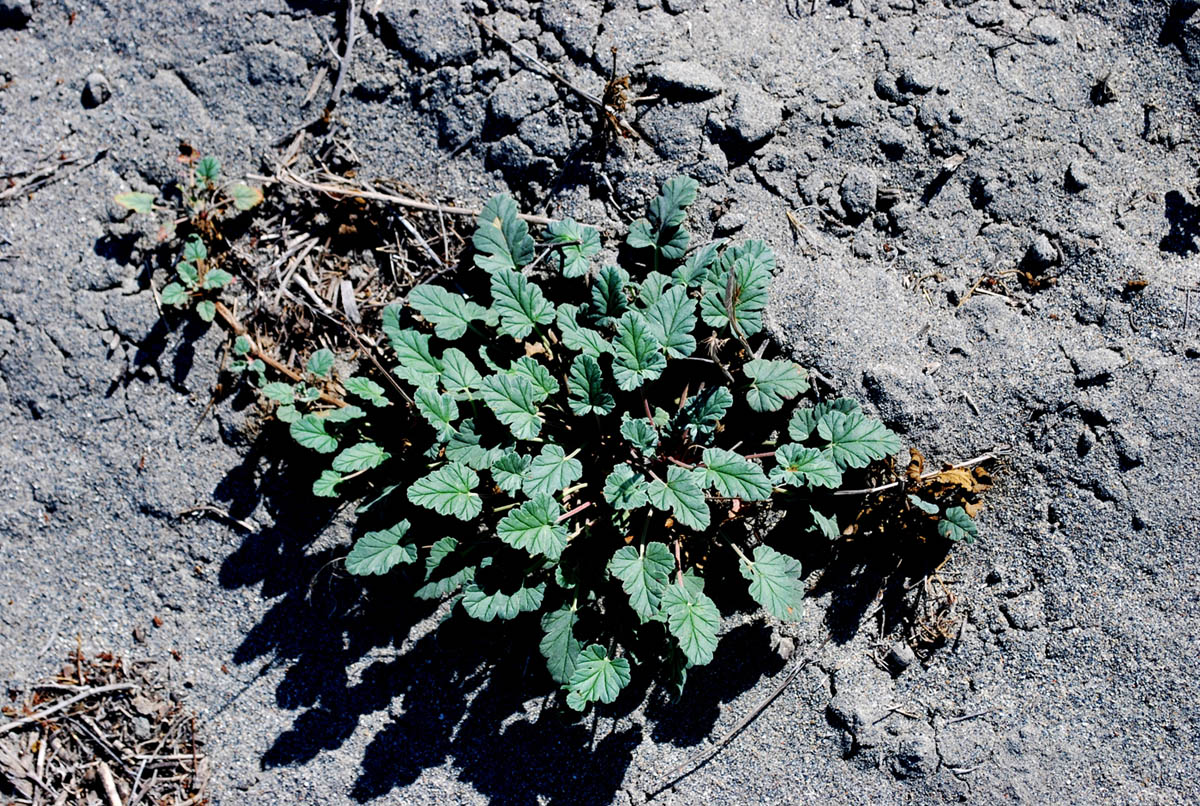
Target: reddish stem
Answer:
[[574, 511], [673, 460], [763, 455]]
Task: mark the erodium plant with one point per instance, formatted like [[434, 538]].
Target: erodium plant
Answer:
[[566, 441]]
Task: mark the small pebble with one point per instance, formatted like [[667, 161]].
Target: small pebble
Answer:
[[901, 656], [1078, 177], [95, 89], [858, 190]]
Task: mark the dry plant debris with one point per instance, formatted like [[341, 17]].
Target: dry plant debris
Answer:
[[102, 732]]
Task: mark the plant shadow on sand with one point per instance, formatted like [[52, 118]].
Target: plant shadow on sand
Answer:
[[474, 695]]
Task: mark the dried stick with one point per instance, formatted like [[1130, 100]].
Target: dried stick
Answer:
[[286, 177], [110, 786], [283, 369], [54, 709]]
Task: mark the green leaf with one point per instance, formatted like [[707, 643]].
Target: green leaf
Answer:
[[854, 439], [559, 645], [641, 434], [513, 400], [439, 410], [188, 273], [509, 472], [279, 392], [174, 294], [368, 390], [644, 575], [597, 678], [440, 555], [650, 289], [242, 345], [799, 465], [804, 420], [417, 364], [537, 374], [363, 456], [957, 525], [439, 551], [448, 491], [194, 250], [826, 526], [380, 552], [450, 314], [206, 309], [703, 411], [137, 202], [487, 606], [208, 170], [772, 382], [215, 279], [534, 527], [734, 476], [245, 197], [739, 287], [287, 413], [310, 432], [585, 387], [663, 229], [693, 619], [344, 415], [775, 583], [320, 363], [459, 376], [625, 489], [578, 338], [574, 259], [464, 446], [551, 470], [519, 304], [326, 484], [502, 240], [636, 356], [692, 271], [928, 507], [671, 320], [608, 295], [682, 497]]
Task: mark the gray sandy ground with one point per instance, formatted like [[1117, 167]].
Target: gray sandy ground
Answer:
[[1077, 665]]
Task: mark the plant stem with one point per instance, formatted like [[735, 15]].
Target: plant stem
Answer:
[[240, 330], [574, 511]]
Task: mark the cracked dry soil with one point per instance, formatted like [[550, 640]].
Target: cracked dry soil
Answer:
[[995, 235]]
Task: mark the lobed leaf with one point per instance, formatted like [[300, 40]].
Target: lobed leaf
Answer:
[[854, 439], [310, 432], [957, 525], [537, 374], [734, 476], [662, 229], [534, 527], [691, 272], [585, 388], [826, 526], [775, 583], [519, 303], [772, 382], [449, 313], [804, 420], [459, 376], [559, 645], [550, 471], [636, 356], [680, 495], [513, 400], [368, 390], [597, 678], [206, 309], [363, 456], [417, 364], [671, 320], [703, 411], [439, 410], [625, 489], [509, 471], [174, 294], [643, 575], [693, 619], [799, 465], [577, 337], [380, 552], [137, 202], [641, 434], [487, 606], [501, 240], [320, 363], [465, 446], [245, 197], [608, 295], [574, 257], [449, 490]]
